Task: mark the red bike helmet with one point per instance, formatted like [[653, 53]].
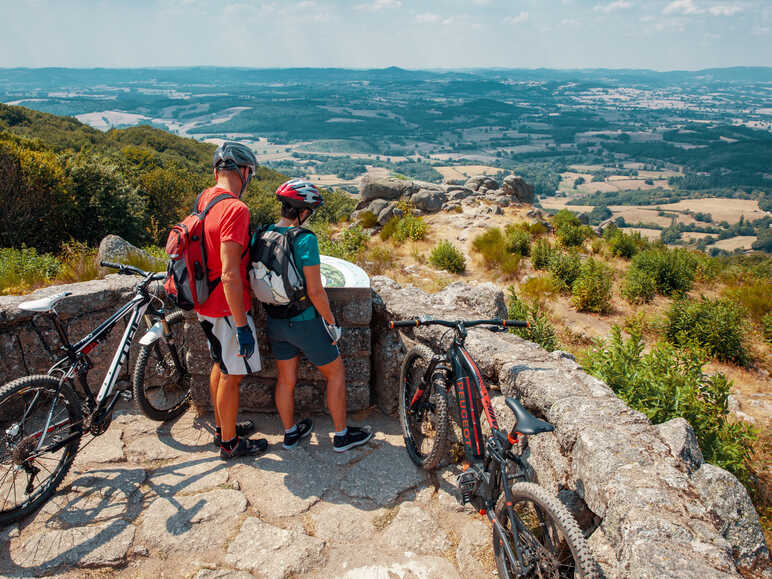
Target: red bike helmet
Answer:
[[299, 194]]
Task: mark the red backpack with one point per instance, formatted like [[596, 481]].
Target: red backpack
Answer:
[[187, 282]]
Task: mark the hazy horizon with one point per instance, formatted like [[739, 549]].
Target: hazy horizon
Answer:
[[660, 35]]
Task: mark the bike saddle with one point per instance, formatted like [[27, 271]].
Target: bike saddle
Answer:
[[43, 304], [527, 423]]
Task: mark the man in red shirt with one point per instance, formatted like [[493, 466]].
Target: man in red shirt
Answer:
[[224, 316]]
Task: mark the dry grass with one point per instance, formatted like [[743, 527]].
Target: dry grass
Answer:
[[721, 209], [739, 242]]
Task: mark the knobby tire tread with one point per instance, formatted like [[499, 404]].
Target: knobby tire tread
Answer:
[[440, 397], [138, 383], [74, 410], [585, 565]]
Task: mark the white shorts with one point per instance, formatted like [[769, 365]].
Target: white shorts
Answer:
[[224, 345]]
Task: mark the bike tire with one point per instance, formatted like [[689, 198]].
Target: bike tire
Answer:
[[40, 390], [558, 538], [428, 452], [155, 365]]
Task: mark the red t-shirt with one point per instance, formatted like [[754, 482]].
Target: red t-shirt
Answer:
[[228, 220]]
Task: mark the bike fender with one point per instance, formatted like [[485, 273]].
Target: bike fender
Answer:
[[152, 335]]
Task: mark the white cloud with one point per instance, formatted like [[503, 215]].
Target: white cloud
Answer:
[[306, 4], [427, 18], [519, 19], [613, 6], [570, 23], [378, 5], [725, 9], [682, 7]]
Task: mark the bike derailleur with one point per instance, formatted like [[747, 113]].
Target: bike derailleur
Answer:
[[468, 482]]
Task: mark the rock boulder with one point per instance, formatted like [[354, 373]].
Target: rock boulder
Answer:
[[116, 249], [518, 188], [428, 200], [387, 188], [478, 181]]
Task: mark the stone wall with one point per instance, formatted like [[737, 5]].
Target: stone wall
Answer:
[[648, 504], [29, 344]]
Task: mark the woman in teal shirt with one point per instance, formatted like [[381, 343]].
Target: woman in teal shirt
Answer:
[[306, 332]]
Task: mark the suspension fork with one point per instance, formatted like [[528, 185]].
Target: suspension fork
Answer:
[[514, 523]]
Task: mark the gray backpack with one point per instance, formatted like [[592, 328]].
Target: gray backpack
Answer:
[[274, 276]]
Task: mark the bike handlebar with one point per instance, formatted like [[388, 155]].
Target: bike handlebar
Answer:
[[454, 324], [124, 269]]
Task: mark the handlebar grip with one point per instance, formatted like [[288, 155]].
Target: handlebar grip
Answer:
[[111, 264], [515, 324], [404, 324], [158, 276]]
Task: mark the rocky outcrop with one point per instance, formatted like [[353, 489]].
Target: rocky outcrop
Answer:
[[380, 194], [651, 507], [118, 250]]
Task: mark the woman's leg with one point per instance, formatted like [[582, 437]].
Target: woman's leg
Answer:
[[285, 390], [335, 375]]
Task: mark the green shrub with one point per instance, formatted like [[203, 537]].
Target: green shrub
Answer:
[[639, 287], [539, 289], [540, 330], [591, 290], [390, 228], [79, 263], [541, 253], [667, 383], [626, 245], [410, 227], [22, 269], [349, 245], [564, 217], [716, 325], [368, 219], [753, 296], [492, 246], [378, 260], [537, 229], [446, 256], [564, 268], [338, 206], [572, 235], [766, 325], [596, 246], [518, 240], [673, 270]]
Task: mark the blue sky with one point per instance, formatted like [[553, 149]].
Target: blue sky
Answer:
[[658, 34]]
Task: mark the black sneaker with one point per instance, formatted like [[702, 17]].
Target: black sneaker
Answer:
[[304, 429], [243, 428], [245, 447], [355, 436]]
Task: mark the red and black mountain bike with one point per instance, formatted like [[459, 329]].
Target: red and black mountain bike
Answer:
[[533, 533]]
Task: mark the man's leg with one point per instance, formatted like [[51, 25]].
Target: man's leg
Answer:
[[335, 375], [285, 390], [228, 404], [214, 383]]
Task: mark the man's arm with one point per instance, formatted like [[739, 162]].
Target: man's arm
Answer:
[[230, 256], [316, 293]]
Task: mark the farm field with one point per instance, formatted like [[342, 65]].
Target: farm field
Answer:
[[458, 172], [722, 209], [739, 242]]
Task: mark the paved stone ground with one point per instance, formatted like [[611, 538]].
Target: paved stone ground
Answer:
[[154, 500]]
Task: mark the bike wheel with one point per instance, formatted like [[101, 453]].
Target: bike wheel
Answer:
[[29, 475], [425, 428], [552, 543], [161, 379]]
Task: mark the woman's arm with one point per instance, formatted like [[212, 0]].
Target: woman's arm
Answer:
[[316, 293]]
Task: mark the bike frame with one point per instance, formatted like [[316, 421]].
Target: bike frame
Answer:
[[489, 457], [106, 398]]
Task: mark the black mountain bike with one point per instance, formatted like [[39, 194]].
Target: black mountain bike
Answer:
[[44, 416], [533, 533]]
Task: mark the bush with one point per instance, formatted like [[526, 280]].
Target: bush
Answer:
[[492, 245], [446, 256], [540, 331], [564, 217], [572, 235], [716, 325], [518, 240], [766, 325], [23, 269], [564, 268], [410, 227], [390, 228], [639, 287], [379, 260], [541, 253], [672, 270], [592, 288], [667, 383], [626, 245], [368, 219], [539, 289], [349, 245], [753, 296]]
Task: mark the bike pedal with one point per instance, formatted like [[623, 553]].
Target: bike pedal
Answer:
[[468, 482], [127, 395]]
